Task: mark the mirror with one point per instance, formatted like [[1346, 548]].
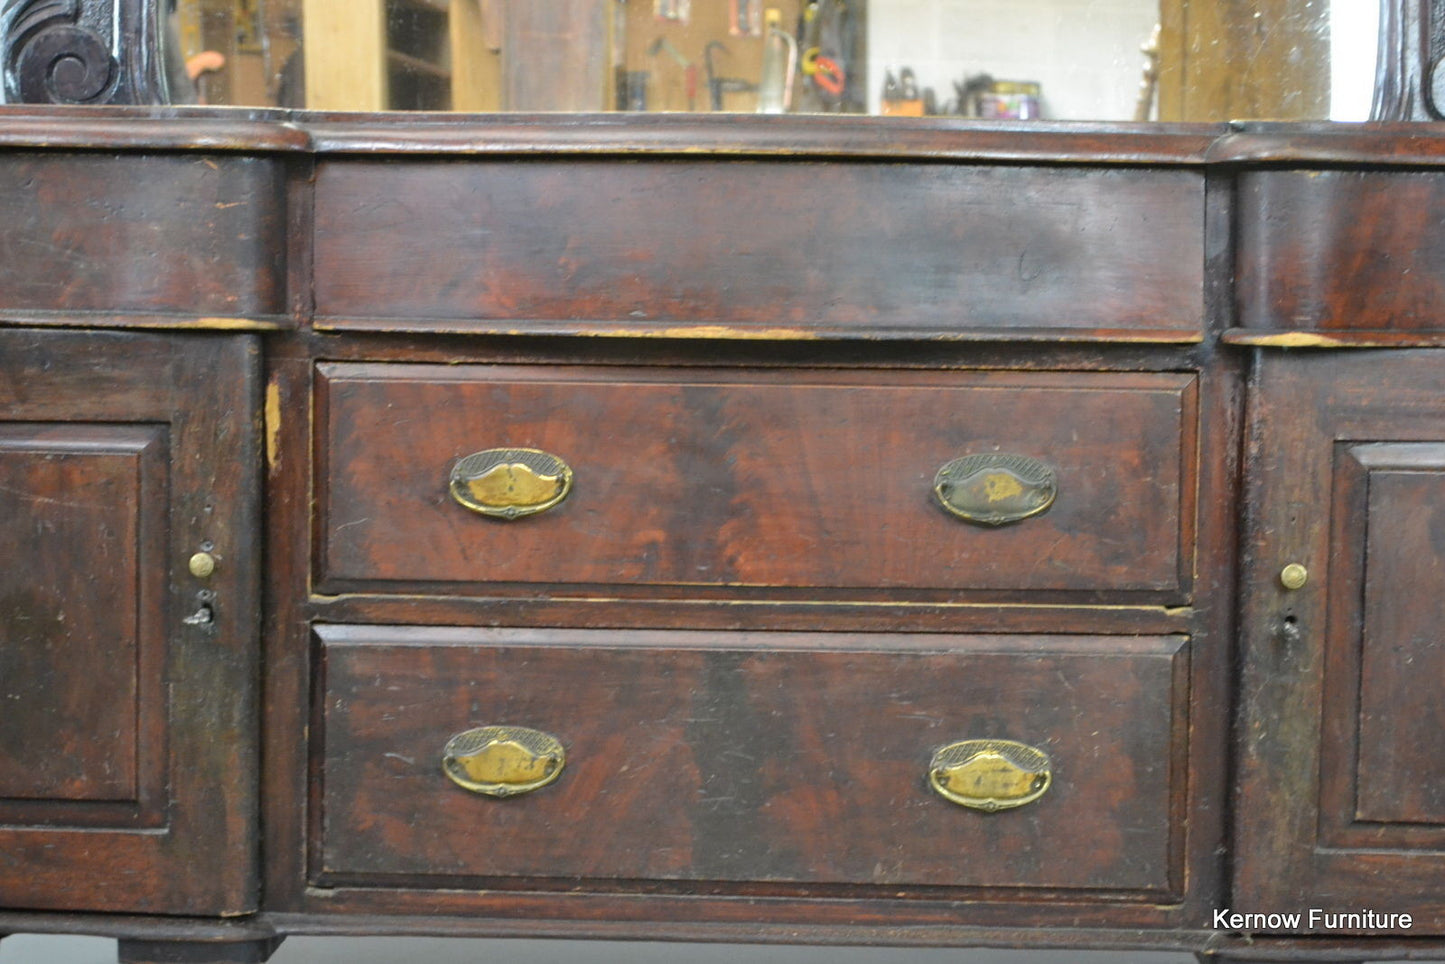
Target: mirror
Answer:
[[1091, 60]]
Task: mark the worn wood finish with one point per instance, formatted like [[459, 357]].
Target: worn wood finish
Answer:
[[749, 758], [1341, 249], [193, 234], [88, 487], [122, 454], [777, 246], [764, 479], [743, 136], [1315, 816], [1378, 782], [1350, 635], [1403, 781]]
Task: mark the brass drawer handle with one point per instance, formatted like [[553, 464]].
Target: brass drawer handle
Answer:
[[990, 775], [503, 761], [510, 483], [995, 489]]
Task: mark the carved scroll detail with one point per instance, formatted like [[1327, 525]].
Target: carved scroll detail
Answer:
[[51, 57], [81, 52]]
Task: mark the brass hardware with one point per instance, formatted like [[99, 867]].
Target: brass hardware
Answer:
[[995, 489], [1294, 576], [510, 483], [990, 775], [503, 761], [202, 564]]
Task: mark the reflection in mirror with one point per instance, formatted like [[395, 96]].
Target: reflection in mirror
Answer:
[[1103, 60]]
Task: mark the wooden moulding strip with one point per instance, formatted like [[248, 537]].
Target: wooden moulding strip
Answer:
[[151, 321], [1332, 339], [787, 135], [705, 331]]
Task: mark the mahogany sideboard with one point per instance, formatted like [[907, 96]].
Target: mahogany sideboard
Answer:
[[709, 529]]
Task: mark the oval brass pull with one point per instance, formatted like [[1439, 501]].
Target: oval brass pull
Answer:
[[990, 775], [503, 761], [510, 483], [995, 489]]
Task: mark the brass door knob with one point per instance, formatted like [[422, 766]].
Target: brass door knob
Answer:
[[1294, 576], [503, 761], [990, 775], [202, 565]]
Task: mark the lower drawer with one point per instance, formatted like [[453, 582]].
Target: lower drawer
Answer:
[[793, 759]]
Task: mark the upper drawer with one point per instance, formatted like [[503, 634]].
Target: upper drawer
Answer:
[[188, 233], [788, 480], [1340, 250], [759, 248], [795, 759]]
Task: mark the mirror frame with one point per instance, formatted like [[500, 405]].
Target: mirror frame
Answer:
[[111, 52]]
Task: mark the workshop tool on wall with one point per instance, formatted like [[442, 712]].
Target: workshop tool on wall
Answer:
[[901, 97], [780, 59], [745, 18], [689, 69], [829, 36], [717, 86], [673, 11]]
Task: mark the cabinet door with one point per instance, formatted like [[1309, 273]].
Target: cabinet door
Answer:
[[1343, 765], [127, 683]]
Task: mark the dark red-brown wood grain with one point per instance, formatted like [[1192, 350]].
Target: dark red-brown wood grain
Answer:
[[1335, 250], [128, 760], [779, 479], [188, 233], [1337, 707], [785, 759], [759, 244]]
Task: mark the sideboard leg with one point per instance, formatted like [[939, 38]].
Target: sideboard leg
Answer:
[[196, 952]]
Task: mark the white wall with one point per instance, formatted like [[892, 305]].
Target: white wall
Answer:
[[1084, 52], [1354, 27]]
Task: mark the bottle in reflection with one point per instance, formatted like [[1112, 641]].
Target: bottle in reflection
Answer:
[[780, 59]]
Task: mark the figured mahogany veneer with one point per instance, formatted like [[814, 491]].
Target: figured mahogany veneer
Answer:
[[731, 477], [750, 757]]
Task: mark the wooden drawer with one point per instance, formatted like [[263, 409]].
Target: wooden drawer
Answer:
[[765, 248], [1341, 250], [791, 759], [792, 481], [170, 234]]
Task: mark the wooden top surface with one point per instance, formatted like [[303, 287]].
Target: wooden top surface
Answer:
[[939, 138]]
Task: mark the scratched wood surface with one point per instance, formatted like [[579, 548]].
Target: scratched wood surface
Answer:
[[127, 762], [189, 233], [748, 757], [1335, 250], [1338, 694], [75, 630], [760, 244], [1403, 779]]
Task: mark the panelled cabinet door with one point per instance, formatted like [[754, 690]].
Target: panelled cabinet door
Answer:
[[1343, 765], [127, 668]]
